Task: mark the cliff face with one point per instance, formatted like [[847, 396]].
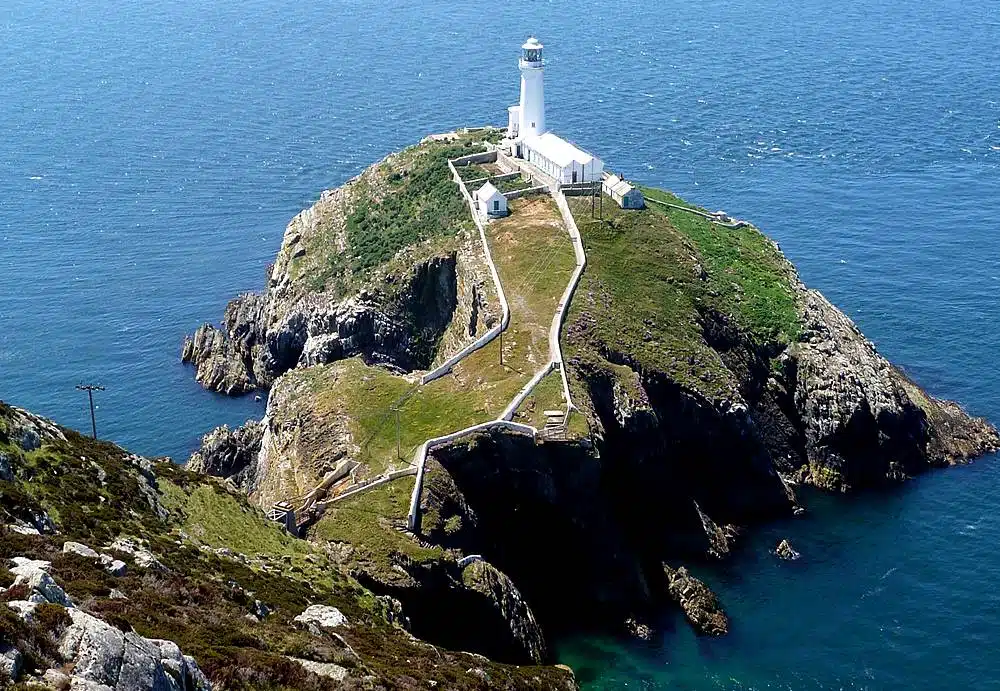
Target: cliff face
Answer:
[[345, 284]]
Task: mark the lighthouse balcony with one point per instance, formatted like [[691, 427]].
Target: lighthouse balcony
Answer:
[[531, 64]]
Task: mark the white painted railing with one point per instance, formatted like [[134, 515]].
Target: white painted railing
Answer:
[[560, 316]]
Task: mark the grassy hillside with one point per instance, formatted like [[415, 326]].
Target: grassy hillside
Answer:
[[407, 201], [220, 557], [654, 277]]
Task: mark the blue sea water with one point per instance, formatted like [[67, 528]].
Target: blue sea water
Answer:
[[151, 154]]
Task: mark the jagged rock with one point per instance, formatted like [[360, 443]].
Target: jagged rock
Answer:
[[638, 630], [10, 662], [116, 567], [864, 422], [219, 367], [144, 559], [230, 454], [81, 549], [785, 551], [24, 608], [484, 578], [259, 609], [6, 467], [102, 654], [698, 602], [43, 588], [321, 616]]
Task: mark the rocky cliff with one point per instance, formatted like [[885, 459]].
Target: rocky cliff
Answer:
[[344, 285], [708, 382]]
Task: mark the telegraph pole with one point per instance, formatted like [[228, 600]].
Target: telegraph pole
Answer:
[[398, 454], [90, 389]]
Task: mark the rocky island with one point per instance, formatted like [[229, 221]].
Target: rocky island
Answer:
[[479, 432], [706, 382]]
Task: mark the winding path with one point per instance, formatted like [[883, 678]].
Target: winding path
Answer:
[[504, 421]]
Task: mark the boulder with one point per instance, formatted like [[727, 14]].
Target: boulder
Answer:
[[784, 551], [321, 616], [43, 588], [79, 548], [144, 559], [698, 602], [323, 669], [25, 608], [116, 567], [100, 654]]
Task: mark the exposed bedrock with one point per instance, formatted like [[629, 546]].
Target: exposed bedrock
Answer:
[[230, 453], [261, 337], [864, 422]]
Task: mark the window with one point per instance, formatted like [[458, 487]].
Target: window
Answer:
[[496, 204], [532, 125]]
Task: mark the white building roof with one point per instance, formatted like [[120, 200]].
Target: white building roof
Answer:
[[616, 185], [487, 191], [532, 44], [557, 149]]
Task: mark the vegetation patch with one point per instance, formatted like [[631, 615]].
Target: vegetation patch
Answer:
[[654, 277]]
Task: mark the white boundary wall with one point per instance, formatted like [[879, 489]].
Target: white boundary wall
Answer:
[[444, 368], [420, 459]]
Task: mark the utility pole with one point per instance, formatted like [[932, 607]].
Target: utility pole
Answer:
[[90, 389]]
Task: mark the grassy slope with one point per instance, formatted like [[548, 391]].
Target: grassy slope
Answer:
[[202, 599], [651, 276], [535, 260], [406, 202]]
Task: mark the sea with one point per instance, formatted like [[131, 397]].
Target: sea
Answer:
[[151, 154]]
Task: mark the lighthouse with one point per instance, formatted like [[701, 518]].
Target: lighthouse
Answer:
[[531, 110], [558, 161]]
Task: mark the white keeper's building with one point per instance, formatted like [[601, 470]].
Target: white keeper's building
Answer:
[[553, 155]]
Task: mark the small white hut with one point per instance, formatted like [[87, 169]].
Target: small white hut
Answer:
[[628, 197], [490, 201]]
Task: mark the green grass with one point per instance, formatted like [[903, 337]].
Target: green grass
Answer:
[[420, 202], [535, 260], [547, 395], [369, 521], [407, 201], [744, 268], [216, 518]]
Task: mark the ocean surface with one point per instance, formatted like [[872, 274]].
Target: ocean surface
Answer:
[[152, 153]]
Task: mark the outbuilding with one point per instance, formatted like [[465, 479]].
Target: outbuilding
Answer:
[[490, 201], [561, 160], [627, 196]]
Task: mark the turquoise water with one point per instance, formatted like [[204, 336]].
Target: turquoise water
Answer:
[[151, 154]]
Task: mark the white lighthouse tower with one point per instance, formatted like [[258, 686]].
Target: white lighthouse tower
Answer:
[[532, 106]]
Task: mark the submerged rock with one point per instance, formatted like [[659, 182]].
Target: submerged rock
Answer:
[[699, 603]]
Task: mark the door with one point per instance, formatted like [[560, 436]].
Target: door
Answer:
[[574, 176]]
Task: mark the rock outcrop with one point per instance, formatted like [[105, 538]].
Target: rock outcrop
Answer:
[[698, 603], [863, 422], [482, 577], [101, 654], [785, 551], [230, 454]]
